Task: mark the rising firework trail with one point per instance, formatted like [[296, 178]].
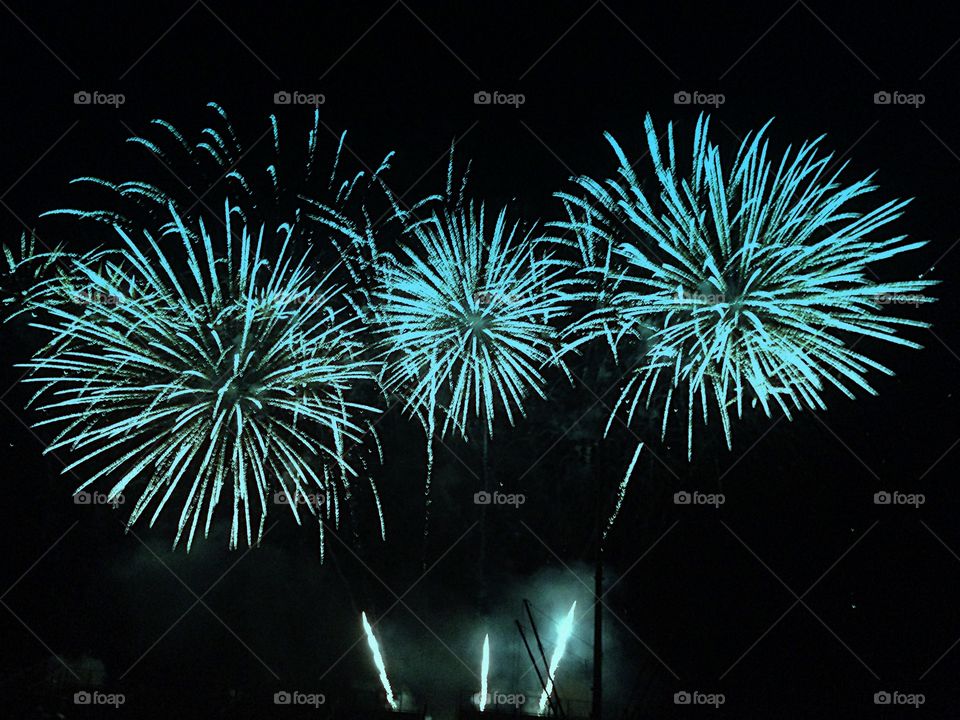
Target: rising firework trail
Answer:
[[566, 629], [484, 673], [378, 661]]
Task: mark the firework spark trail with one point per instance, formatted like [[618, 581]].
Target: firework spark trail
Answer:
[[566, 630], [484, 672], [378, 661], [25, 269], [621, 493]]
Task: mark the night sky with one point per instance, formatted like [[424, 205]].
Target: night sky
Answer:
[[799, 597]]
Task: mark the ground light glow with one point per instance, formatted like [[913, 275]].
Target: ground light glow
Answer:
[[484, 673], [566, 630], [378, 661]]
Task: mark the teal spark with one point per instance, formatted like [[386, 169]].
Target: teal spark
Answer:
[[747, 283], [265, 188], [25, 267], [183, 372]]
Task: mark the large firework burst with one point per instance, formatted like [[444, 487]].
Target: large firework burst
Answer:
[[747, 285], [230, 377]]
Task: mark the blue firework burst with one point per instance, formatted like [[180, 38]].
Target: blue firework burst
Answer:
[[202, 371], [467, 314], [751, 283]]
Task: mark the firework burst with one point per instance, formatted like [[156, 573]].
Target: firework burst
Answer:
[[746, 286], [264, 188], [273, 179], [466, 314], [229, 377]]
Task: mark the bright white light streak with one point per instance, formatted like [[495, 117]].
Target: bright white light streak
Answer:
[[378, 661], [484, 673], [566, 630]]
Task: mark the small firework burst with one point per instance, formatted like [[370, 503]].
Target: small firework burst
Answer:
[[467, 312], [466, 316], [270, 180]]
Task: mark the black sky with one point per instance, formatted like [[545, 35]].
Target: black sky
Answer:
[[798, 598]]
